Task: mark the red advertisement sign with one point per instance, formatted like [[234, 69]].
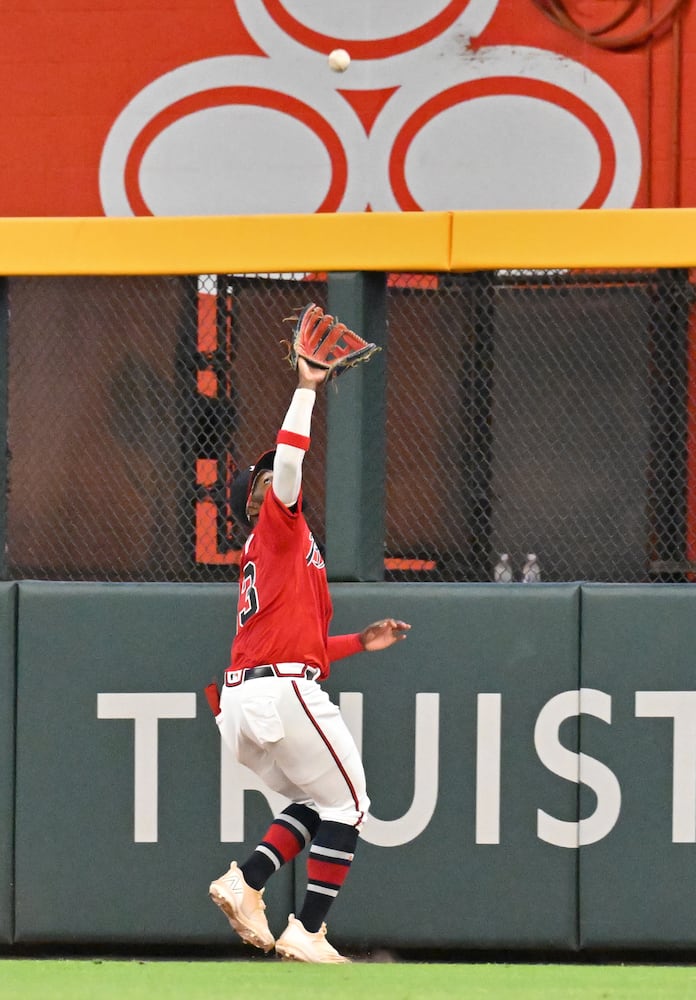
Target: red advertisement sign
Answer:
[[174, 108]]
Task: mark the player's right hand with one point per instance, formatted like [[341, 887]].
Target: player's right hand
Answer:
[[382, 634]]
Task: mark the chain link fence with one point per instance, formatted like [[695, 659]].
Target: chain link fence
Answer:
[[547, 412]]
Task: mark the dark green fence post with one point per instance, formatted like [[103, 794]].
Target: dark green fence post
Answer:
[[356, 441]]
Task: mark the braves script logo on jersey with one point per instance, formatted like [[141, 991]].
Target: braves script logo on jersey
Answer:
[[314, 556]]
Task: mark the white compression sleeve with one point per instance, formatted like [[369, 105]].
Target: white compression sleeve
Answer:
[[287, 467]]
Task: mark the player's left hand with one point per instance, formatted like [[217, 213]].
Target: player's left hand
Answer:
[[384, 633], [309, 376]]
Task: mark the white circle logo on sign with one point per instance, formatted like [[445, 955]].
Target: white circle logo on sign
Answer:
[[420, 121]]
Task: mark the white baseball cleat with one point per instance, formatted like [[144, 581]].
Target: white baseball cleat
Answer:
[[299, 945], [243, 907]]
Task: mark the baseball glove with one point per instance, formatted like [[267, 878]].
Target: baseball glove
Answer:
[[326, 343]]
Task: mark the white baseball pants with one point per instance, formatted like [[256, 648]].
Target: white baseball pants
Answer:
[[289, 732]]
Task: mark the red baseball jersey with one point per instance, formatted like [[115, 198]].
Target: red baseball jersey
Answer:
[[284, 605]]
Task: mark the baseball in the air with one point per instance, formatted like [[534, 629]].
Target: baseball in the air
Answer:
[[339, 60]]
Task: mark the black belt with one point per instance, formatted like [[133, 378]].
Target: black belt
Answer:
[[296, 670], [252, 672]]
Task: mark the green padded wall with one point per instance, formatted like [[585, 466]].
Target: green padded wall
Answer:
[[8, 594], [81, 877], [451, 859], [442, 889], [638, 886]]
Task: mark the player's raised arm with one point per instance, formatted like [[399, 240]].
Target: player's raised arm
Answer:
[[294, 436]]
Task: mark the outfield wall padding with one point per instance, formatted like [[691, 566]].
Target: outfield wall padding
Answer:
[[8, 595], [81, 877], [488, 829], [442, 889], [638, 883]]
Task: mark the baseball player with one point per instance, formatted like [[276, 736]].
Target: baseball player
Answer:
[[273, 712]]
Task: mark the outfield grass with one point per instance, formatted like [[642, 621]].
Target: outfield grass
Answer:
[[71, 979]]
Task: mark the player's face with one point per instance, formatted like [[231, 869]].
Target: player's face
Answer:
[[261, 485]]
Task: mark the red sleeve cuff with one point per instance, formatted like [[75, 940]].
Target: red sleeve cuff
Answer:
[[296, 440], [212, 694], [339, 646]]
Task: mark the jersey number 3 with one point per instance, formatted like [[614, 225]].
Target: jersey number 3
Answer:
[[249, 599]]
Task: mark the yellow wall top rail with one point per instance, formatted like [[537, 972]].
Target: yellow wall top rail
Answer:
[[365, 241]]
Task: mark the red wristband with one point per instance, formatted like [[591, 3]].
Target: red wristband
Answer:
[[300, 441]]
